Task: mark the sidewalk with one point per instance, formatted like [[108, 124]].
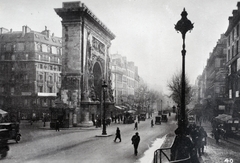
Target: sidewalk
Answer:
[[211, 154], [40, 125]]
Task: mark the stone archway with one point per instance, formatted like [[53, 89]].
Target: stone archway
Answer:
[[97, 73]]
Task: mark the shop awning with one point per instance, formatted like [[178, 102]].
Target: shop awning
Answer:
[[118, 107], [223, 117], [131, 111]]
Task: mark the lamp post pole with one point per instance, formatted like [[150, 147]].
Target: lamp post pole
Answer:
[[183, 25], [104, 86], [161, 106]]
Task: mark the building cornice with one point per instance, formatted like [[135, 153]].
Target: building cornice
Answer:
[[78, 10], [233, 20]]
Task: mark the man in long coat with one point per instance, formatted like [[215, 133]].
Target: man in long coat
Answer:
[[135, 141]]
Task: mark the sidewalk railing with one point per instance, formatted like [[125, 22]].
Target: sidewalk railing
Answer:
[[165, 151]]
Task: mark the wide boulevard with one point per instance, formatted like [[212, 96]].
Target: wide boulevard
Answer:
[[83, 144]]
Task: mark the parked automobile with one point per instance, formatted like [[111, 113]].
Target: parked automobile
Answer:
[[164, 118], [158, 120], [12, 132], [142, 117]]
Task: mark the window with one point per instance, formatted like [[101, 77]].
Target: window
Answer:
[[237, 30], [228, 56], [20, 46], [26, 77], [40, 88], [237, 48], [54, 50], [41, 66], [51, 67], [25, 102], [60, 51], [229, 70], [40, 77], [44, 48], [13, 57], [50, 90], [12, 90], [50, 78], [233, 35], [233, 51], [2, 57], [2, 89]]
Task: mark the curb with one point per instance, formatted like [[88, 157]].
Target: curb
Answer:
[[108, 135], [71, 128]]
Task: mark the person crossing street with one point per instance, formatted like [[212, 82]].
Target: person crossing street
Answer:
[[118, 135], [135, 142]]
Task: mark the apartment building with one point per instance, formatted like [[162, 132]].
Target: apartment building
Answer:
[[233, 62], [30, 67], [125, 79]]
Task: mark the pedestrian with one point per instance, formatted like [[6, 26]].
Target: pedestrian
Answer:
[[217, 134], [118, 135], [152, 124], [183, 147], [136, 126], [57, 126], [203, 134], [135, 142]]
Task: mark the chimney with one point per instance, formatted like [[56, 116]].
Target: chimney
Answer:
[[23, 31], [238, 5], [46, 32], [234, 12], [27, 29], [230, 18]]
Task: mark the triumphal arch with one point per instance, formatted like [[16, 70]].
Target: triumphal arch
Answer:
[[85, 63]]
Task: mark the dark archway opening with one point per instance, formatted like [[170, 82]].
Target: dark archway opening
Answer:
[[97, 73]]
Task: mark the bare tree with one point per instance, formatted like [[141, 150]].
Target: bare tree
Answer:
[[175, 88]]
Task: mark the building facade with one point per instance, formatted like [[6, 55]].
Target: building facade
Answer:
[[86, 74], [125, 80], [233, 62], [30, 64], [216, 77]]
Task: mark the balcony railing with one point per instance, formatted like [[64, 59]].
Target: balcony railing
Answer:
[[165, 151]]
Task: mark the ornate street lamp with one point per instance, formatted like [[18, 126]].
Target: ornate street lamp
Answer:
[[104, 86], [183, 25]]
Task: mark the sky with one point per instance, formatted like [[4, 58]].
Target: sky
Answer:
[[144, 30]]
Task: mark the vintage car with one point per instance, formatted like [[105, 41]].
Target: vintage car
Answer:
[[164, 118], [11, 131], [142, 117], [158, 120]]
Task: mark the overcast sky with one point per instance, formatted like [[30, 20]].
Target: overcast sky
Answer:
[[144, 30]]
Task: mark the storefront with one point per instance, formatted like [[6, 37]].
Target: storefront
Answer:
[[63, 115]]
